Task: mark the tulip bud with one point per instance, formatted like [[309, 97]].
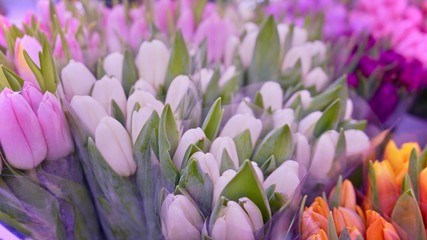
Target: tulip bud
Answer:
[[230, 50], [4, 24], [32, 95], [239, 123], [208, 164], [33, 48], [244, 108], [144, 99], [144, 86], [227, 76], [253, 212], [181, 88], [191, 136], [164, 10], [73, 47], [180, 218], [114, 143], [21, 136], [324, 154], [305, 97], [55, 128], [227, 144], [321, 235], [108, 89], [89, 111], [347, 198], [204, 76], [152, 62], [76, 79], [315, 218], [357, 142], [307, 124], [117, 29], [379, 228], [318, 48], [113, 65], [139, 118], [422, 180], [247, 47], [399, 158], [186, 24], [258, 172], [233, 223], [297, 53], [220, 184], [285, 178], [348, 109], [317, 78], [272, 95], [346, 218], [282, 30], [138, 31], [299, 36], [302, 150]]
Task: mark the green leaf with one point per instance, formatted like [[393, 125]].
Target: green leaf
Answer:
[[335, 199], [212, 91], [414, 172], [258, 100], [129, 73], [269, 166], [407, 184], [332, 231], [229, 90], [100, 72], [406, 214], [199, 185], [244, 145], [345, 235], [328, 120], [358, 125], [48, 67], [246, 184], [374, 189], [266, 56], [188, 153], [198, 10], [323, 100], [276, 201], [179, 62], [117, 113], [35, 69], [277, 143], [213, 120], [15, 82]]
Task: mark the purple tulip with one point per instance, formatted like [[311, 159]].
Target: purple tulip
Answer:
[[384, 101], [413, 75], [368, 65], [21, 135], [353, 80]]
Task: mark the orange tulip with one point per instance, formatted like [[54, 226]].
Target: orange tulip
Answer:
[[348, 195], [320, 236], [422, 179], [347, 218], [388, 190], [315, 219], [378, 228], [399, 158]]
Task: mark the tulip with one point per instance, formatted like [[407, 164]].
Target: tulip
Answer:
[[222, 144], [307, 124], [139, 118], [138, 32], [180, 218], [348, 109], [272, 95], [152, 62], [144, 86], [55, 128], [244, 108], [379, 228], [347, 198], [89, 111], [253, 212], [282, 30], [321, 235], [357, 142], [187, 24], [113, 65], [247, 47], [108, 89], [204, 77], [231, 46], [208, 164], [239, 123], [258, 172], [33, 48], [300, 53], [315, 218], [73, 46], [317, 78], [285, 178], [220, 184], [22, 140], [32, 95], [4, 24], [346, 218], [76, 79], [144, 99], [302, 150], [117, 29], [164, 13], [227, 76], [305, 97], [191, 136], [115, 145], [233, 223], [318, 48], [324, 154], [181, 88], [399, 158], [422, 180], [299, 36]]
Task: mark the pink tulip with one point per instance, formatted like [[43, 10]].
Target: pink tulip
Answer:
[[32, 95], [117, 28], [21, 135], [164, 11], [33, 47], [186, 24], [55, 127], [4, 23], [74, 48]]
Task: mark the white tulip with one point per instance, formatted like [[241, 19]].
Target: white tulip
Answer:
[[239, 123], [258, 172], [348, 109], [222, 144], [204, 76], [282, 117], [113, 65], [76, 79], [301, 53], [302, 150], [191, 136], [139, 118], [89, 111], [324, 154], [227, 76], [142, 85], [251, 27], [231, 46], [152, 62], [233, 223], [180, 218], [254, 214], [316, 77], [307, 124], [108, 89], [272, 95], [244, 108], [282, 30], [285, 178], [318, 48], [357, 142], [247, 48], [208, 164], [299, 36], [144, 99], [220, 184], [305, 99], [181, 87], [114, 143]]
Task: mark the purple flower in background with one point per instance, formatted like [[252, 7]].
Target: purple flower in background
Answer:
[[413, 75], [353, 80], [368, 65], [384, 101]]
